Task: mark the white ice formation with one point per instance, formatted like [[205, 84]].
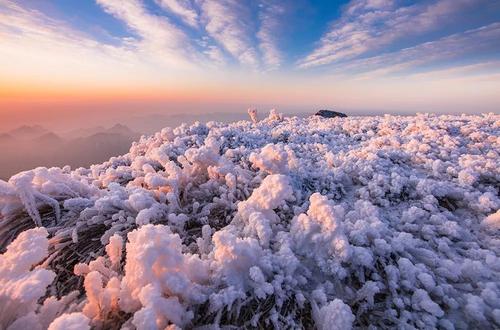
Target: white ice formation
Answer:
[[382, 222]]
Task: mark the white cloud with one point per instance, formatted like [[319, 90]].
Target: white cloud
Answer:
[[483, 40], [26, 32], [183, 8], [227, 28], [159, 38], [47, 52], [368, 25], [215, 54], [488, 70], [229, 22], [269, 22]]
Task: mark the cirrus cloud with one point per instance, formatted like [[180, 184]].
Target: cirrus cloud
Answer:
[[369, 25]]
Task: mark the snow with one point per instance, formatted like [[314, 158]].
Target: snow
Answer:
[[274, 115], [253, 115], [492, 221], [272, 159], [159, 247], [334, 316], [20, 286], [285, 222], [319, 233], [114, 250], [72, 321]]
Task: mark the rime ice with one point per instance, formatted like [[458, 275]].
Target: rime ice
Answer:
[[285, 222]]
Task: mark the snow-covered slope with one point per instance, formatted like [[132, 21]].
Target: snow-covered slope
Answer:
[[362, 221]]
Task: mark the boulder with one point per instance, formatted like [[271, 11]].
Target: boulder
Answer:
[[329, 114]]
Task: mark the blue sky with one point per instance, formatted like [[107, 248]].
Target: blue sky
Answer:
[[295, 29], [377, 48], [303, 22]]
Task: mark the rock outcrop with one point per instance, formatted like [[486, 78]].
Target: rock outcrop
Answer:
[[329, 114]]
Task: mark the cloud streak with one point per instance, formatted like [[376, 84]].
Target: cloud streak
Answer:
[[369, 25], [25, 32], [226, 29], [480, 41], [159, 37], [182, 8], [269, 17], [229, 22]]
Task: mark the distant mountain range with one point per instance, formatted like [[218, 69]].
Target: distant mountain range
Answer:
[[28, 132], [151, 123], [31, 146]]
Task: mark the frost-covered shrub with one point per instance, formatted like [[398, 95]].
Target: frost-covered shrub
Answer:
[[21, 287], [274, 115], [387, 222], [272, 159], [253, 115], [23, 284]]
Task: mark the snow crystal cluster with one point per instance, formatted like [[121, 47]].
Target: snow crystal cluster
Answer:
[[359, 222]]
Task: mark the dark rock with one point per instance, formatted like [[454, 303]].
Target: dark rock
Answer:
[[329, 114]]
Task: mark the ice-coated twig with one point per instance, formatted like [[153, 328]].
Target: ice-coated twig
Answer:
[[253, 115]]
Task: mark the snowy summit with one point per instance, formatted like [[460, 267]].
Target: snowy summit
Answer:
[[379, 222]]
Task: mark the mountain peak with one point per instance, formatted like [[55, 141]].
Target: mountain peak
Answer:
[[49, 137], [28, 131], [120, 129]]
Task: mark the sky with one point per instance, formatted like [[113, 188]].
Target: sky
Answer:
[[95, 58]]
